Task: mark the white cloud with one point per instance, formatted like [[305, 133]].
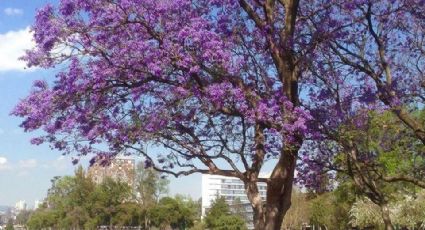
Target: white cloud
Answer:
[[27, 164], [13, 11], [3, 160], [4, 164], [13, 45]]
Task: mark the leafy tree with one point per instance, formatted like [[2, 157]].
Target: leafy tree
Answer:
[[405, 212], [150, 185], [106, 198], [220, 81], [323, 210], [42, 218], [69, 198], [230, 222], [220, 217], [172, 212], [128, 214], [218, 208], [378, 155], [77, 202]]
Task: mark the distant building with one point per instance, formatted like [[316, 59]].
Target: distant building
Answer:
[[21, 205], [120, 169], [231, 189], [37, 204]]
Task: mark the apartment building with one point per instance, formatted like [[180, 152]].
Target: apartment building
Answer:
[[231, 189]]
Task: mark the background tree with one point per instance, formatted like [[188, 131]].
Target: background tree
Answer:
[[381, 56], [150, 185], [42, 219], [378, 154], [107, 198], [173, 213], [231, 222], [219, 216], [77, 202], [128, 214], [405, 212]]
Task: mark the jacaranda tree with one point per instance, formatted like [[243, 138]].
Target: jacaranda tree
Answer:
[[221, 85]]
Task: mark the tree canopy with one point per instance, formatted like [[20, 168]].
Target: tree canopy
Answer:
[[233, 81]]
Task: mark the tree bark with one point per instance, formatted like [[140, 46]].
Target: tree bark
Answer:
[[279, 190], [386, 217], [257, 205], [269, 216]]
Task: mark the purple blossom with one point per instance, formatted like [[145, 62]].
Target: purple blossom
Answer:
[[201, 78]]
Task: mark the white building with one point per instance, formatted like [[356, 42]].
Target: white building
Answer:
[[37, 204], [21, 205], [230, 188]]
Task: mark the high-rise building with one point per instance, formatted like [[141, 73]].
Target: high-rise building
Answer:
[[21, 205], [231, 189], [37, 204], [121, 168]]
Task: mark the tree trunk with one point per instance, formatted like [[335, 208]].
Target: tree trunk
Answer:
[[256, 203], [386, 217], [279, 191]]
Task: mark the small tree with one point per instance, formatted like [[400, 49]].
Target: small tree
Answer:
[[175, 213], [220, 217], [218, 208], [150, 185]]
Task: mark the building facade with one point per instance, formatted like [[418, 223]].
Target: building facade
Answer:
[[121, 169], [21, 206], [232, 189], [38, 204]]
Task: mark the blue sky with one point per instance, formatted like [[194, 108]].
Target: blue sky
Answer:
[[26, 170]]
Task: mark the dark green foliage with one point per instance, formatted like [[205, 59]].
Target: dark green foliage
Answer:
[[219, 217], [173, 212], [229, 222], [77, 202]]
